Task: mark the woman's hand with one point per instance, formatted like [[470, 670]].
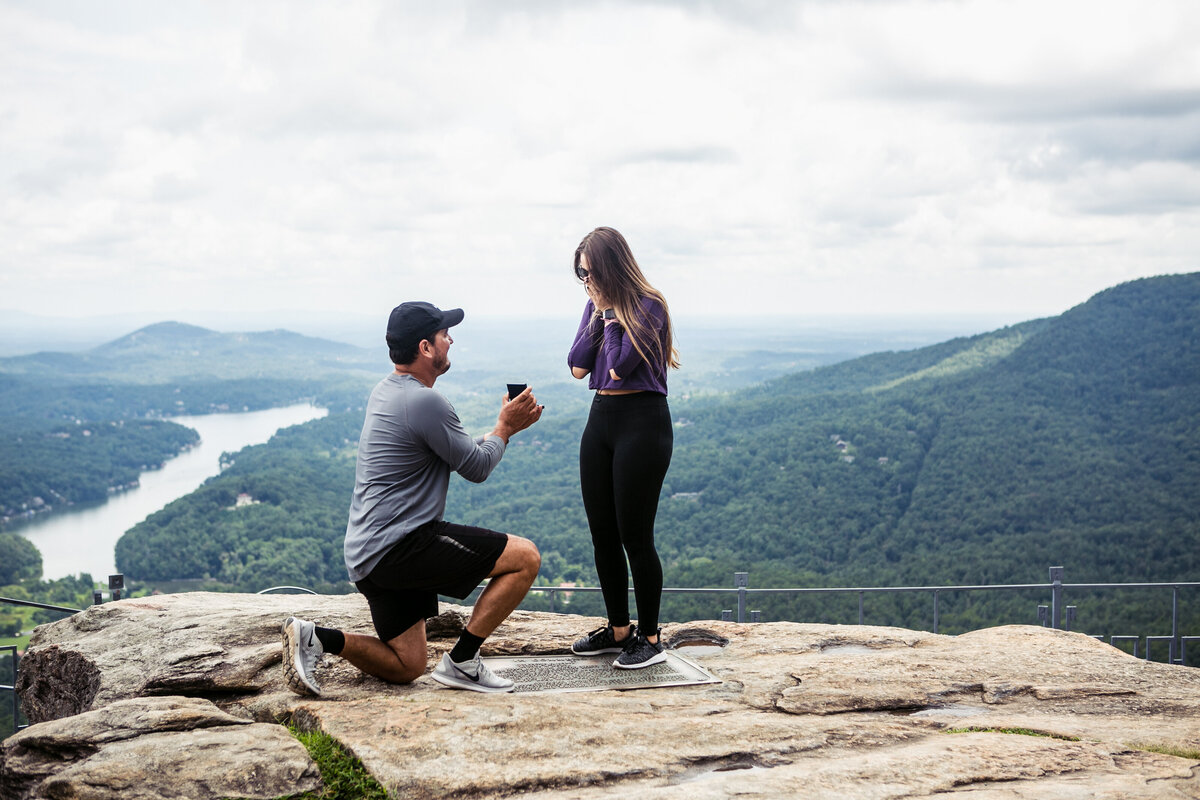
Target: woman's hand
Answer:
[[594, 293], [599, 303]]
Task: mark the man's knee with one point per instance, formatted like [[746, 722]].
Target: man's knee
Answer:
[[519, 557], [409, 652], [527, 553], [407, 673]]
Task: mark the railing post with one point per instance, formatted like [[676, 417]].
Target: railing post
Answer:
[[860, 607], [741, 580], [935, 610], [1175, 656], [1056, 597], [1113, 639], [17, 700], [16, 665]]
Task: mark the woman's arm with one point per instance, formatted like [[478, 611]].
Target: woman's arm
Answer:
[[618, 344], [582, 356]]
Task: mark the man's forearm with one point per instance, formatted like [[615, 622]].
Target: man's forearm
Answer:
[[502, 432], [480, 463]]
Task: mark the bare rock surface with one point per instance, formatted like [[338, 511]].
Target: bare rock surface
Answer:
[[802, 710], [148, 748], [190, 644]]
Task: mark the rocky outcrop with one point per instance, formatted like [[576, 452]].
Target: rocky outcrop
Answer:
[[198, 643], [149, 748], [802, 710]]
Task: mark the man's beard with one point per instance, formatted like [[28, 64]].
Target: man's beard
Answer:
[[441, 364]]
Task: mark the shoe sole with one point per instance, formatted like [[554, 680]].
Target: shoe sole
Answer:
[[658, 658], [295, 681], [458, 683]]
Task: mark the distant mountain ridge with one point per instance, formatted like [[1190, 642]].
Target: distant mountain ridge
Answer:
[[175, 350], [160, 331], [886, 370]]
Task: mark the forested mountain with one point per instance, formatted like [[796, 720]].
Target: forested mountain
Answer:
[[76, 426], [68, 464], [1069, 441]]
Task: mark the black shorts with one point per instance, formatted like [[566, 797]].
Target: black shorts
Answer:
[[437, 558]]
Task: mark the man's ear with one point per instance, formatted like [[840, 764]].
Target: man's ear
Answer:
[[425, 347]]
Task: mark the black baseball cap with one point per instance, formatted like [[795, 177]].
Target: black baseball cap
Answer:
[[412, 322]]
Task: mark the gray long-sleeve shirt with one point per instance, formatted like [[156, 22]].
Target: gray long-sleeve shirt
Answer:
[[411, 440]]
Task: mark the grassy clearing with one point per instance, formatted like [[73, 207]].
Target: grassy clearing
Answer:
[[1161, 748], [22, 642], [1015, 731], [344, 776], [1167, 750]]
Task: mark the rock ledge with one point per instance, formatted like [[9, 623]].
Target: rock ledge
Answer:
[[179, 695]]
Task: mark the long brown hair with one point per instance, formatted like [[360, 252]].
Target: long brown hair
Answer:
[[617, 277]]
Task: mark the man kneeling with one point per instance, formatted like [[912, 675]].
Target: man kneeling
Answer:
[[399, 551]]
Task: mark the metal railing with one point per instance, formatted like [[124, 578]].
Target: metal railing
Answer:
[[1056, 614], [12, 601], [11, 649]]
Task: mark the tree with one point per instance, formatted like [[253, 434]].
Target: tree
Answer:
[[19, 560]]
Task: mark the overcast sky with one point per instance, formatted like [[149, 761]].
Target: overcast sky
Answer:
[[761, 157]]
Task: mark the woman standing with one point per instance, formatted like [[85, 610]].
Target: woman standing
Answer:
[[625, 345]]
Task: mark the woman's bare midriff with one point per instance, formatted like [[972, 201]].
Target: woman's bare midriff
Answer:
[[618, 392]]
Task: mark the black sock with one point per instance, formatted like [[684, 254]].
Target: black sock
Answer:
[[466, 647], [332, 641]]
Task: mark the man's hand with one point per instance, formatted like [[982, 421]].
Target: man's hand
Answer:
[[517, 414]]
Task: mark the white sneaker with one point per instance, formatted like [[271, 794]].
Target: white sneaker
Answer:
[[471, 675], [302, 651]]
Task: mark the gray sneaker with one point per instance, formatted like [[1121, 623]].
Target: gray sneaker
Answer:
[[641, 652], [602, 640], [302, 652], [472, 675]]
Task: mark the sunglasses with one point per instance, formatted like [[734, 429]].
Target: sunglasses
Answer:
[[581, 273]]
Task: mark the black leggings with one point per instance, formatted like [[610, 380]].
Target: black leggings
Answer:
[[623, 458]]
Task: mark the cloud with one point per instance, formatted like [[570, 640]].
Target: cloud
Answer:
[[913, 155], [684, 155]]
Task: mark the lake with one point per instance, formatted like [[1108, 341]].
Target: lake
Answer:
[[83, 540]]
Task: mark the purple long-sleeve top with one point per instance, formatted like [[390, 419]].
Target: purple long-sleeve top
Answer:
[[601, 348]]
